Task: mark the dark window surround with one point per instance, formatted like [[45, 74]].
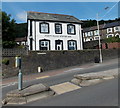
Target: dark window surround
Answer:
[[56, 44], [73, 41], [40, 27], [60, 26], [30, 28], [44, 40], [74, 29]]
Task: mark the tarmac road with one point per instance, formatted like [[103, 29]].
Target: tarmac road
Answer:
[[102, 94]]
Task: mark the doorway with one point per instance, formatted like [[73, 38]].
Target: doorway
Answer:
[[58, 45]]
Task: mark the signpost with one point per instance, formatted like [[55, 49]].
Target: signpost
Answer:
[[18, 65]]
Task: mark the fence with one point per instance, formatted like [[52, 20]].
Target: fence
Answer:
[[14, 52]]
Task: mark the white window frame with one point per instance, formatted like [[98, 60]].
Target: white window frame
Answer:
[[109, 30], [118, 28], [110, 35]]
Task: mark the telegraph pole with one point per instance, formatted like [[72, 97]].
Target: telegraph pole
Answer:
[[100, 52]]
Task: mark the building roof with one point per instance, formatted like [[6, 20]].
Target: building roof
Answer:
[[52, 17], [21, 39], [113, 24], [102, 26]]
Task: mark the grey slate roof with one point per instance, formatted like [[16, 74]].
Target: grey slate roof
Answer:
[[102, 26], [112, 24], [52, 17]]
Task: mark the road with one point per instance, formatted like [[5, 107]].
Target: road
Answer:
[[103, 94], [67, 76]]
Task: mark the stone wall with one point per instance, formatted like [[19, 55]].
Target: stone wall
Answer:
[[50, 60]]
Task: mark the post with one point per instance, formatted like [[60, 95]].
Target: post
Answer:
[[19, 75], [100, 52]]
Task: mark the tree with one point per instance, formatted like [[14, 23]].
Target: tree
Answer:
[[8, 31]]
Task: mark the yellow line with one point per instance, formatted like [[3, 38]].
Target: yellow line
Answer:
[[42, 77]]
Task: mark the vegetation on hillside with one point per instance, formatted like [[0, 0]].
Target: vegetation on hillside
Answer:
[[8, 31], [90, 23]]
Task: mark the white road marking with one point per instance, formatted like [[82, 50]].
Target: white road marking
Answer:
[[74, 69]]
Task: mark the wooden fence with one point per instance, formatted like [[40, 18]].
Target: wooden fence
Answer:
[[14, 52]]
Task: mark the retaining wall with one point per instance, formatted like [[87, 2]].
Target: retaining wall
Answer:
[[50, 60]]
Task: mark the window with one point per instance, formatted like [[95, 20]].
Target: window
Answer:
[[44, 28], [116, 29], [96, 32], [58, 28], [71, 29], [109, 30], [72, 45], [44, 45], [91, 33], [110, 35], [86, 34]]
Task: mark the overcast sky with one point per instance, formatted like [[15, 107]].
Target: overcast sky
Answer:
[[81, 10]]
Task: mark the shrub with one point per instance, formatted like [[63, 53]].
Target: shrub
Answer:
[[112, 39], [5, 61]]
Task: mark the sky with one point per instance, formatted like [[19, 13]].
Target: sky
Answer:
[[81, 10]]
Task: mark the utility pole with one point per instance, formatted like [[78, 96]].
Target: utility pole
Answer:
[[100, 52]]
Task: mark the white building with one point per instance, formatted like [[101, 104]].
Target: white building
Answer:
[[53, 32]]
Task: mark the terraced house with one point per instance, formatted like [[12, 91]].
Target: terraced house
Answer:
[[106, 31], [48, 31]]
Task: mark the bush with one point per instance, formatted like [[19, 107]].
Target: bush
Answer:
[[5, 61], [9, 44], [112, 39]]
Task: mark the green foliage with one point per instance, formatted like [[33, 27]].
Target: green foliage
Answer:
[[90, 23], [9, 44], [8, 30], [21, 30], [5, 61], [112, 39]]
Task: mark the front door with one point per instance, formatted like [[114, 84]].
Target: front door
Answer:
[[59, 45]]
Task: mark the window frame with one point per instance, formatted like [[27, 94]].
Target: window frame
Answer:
[[75, 44], [40, 27], [56, 28], [44, 40], [74, 29]]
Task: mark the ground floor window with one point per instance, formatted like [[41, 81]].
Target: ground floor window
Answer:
[[44, 44], [72, 45]]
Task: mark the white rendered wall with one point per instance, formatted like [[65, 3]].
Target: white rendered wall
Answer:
[[52, 36]]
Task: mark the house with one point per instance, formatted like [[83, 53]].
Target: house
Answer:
[[48, 31], [21, 41], [106, 31]]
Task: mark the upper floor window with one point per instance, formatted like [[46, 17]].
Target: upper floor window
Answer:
[[96, 32], [86, 34], [58, 28], [71, 29], [89, 34], [116, 29], [44, 28], [109, 30]]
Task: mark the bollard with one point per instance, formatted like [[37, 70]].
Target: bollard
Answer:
[[20, 80], [18, 64], [39, 69]]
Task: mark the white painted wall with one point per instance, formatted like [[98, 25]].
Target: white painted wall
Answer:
[[52, 36]]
